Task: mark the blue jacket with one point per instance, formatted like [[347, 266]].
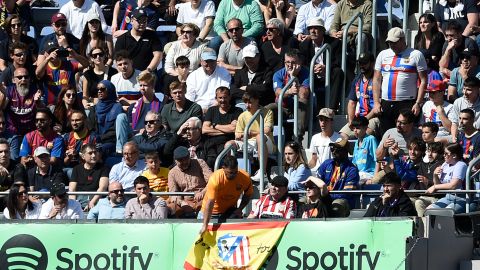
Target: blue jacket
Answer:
[[348, 179], [407, 171]]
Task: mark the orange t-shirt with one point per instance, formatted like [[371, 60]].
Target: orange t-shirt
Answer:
[[226, 192]]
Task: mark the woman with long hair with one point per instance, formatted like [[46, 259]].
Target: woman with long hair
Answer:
[[18, 204], [429, 37], [94, 37], [295, 167], [67, 102]]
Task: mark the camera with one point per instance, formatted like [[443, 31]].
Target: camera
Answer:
[[62, 52]]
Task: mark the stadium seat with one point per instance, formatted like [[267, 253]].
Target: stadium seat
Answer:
[[31, 32], [444, 212], [166, 28], [47, 30], [357, 213]]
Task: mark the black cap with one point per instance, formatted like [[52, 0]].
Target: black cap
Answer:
[[365, 57], [58, 189], [467, 54], [180, 152], [390, 178], [139, 13], [51, 46], [279, 181]]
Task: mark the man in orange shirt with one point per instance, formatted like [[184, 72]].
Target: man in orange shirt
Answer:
[[223, 191]]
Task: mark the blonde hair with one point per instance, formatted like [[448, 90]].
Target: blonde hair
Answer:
[[148, 77]]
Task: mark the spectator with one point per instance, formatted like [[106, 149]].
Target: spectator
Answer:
[[364, 149], [157, 176], [103, 115], [188, 175], [182, 67], [437, 110], [468, 137], [111, 207], [131, 123], [44, 136], [80, 135], [96, 73], [230, 53], [141, 43], [468, 68], [151, 139], [224, 188], [219, 125], [407, 166], [93, 37], [451, 175], [400, 136], [43, 175], [395, 85], [325, 10], [57, 71], [122, 15], [430, 36], [174, 114], [454, 45], [200, 13], [13, 26], [393, 202], [129, 168], [429, 132], [188, 46], [125, 81], [18, 204], [10, 171], [190, 136], [145, 205], [425, 176], [59, 206], [17, 51], [246, 11], [471, 100], [68, 102], [360, 97], [460, 12], [202, 83], [89, 176], [254, 75], [339, 173], [254, 140], [278, 42], [309, 47], [296, 170], [278, 9], [79, 13], [319, 145], [276, 204], [318, 202]]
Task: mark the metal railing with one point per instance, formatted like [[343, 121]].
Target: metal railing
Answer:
[[262, 144], [328, 65], [359, 41], [374, 27], [222, 154], [281, 138], [468, 180], [389, 14], [405, 21]]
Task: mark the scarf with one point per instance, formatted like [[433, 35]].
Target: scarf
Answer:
[[104, 106], [155, 105]]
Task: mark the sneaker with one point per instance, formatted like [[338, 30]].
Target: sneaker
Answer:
[[257, 177]]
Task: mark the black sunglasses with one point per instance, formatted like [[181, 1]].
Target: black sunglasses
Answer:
[[118, 191]]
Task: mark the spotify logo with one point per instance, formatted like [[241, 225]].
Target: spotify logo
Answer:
[[23, 252]]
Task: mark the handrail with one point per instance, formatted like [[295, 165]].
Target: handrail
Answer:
[[359, 15], [280, 124], [405, 21], [374, 27], [262, 144], [106, 193], [468, 179], [328, 63], [221, 155], [389, 14]]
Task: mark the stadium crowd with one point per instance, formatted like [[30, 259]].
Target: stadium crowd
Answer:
[[117, 106]]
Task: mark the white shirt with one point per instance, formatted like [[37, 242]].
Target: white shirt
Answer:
[[73, 210], [29, 214], [125, 87], [77, 17], [320, 146], [201, 87], [186, 14], [429, 114], [176, 50], [325, 11]]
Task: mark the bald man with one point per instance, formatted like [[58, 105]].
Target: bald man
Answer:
[[111, 207]]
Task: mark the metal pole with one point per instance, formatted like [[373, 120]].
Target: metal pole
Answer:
[[405, 22], [468, 180], [261, 155], [420, 7], [245, 140], [374, 27], [295, 117], [328, 64], [280, 124], [389, 14], [221, 155]]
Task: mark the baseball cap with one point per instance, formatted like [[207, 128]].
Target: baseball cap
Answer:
[[436, 85], [316, 181], [41, 150], [250, 51], [208, 55], [340, 143], [279, 181], [365, 58], [326, 112], [139, 13], [57, 189], [93, 16], [317, 21], [58, 17], [180, 152], [467, 54], [395, 34], [51, 46]]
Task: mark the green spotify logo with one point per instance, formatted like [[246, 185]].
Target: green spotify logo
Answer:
[[23, 252]]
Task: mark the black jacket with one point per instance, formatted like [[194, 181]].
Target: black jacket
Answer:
[[402, 207], [308, 51], [152, 144], [262, 83]]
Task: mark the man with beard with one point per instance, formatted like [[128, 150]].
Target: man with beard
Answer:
[[79, 136], [188, 175], [111, 207], [253, 76], [20, 102], [230, 53], [224, 188], [45, 136], [276, 204]]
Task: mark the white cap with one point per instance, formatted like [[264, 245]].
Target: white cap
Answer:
[[250, 50]]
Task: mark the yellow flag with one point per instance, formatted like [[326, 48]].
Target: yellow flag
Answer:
[[234, 246]]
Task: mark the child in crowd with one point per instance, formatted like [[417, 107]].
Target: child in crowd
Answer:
[[364, 150], [429, 133], [407, 166], [157, 176]]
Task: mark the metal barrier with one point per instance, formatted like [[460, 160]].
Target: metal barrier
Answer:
[[359, 15], [468, 179], [223, 154], [280, 124], [262, 144], [328, 65], [374, 28], [405, 21]]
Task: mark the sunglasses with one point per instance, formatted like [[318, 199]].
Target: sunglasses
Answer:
[[311, 187], [41, 120], [22, 77], [69, 95], [60, 24], [118, 191], [271, 29], [186, 31], [15, 25], [21, 193], [19, 54], [150, 122], [231, 30], [95, 55], [101, 89]]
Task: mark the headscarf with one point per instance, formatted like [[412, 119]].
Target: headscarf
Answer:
[[104, 106]]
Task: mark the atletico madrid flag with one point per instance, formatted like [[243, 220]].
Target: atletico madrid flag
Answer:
[[234, 246]]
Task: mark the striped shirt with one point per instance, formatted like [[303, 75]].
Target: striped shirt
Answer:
[[266, 207]]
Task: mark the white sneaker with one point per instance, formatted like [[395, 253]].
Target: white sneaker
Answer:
[[257, 177]]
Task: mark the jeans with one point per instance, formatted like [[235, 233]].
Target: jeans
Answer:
[[451, 201], [15, 141], [123, 130]]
